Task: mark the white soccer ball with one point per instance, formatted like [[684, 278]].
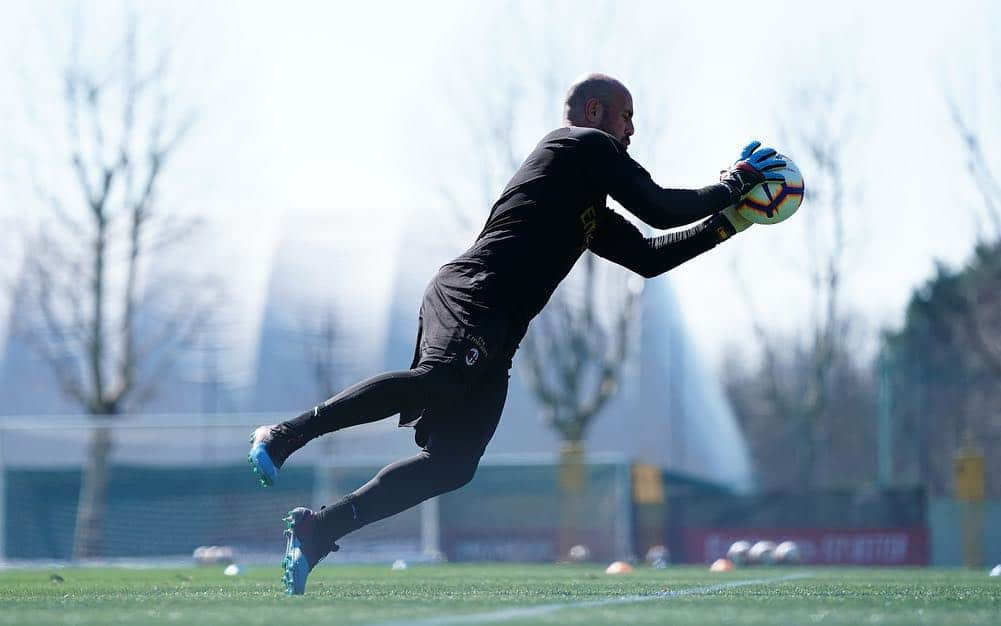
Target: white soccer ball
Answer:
[[761, 553], [578, 554], [738, 552], [788, 553], [771, 203], [658, 557], [399, 565], [233, 570]]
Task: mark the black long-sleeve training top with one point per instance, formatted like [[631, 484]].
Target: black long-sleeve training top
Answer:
[[554, 208]]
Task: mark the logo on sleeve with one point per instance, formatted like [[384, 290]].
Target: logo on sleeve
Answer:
[[589, 223], [472, 356]]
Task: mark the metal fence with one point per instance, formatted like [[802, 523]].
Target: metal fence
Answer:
[[179, 482]]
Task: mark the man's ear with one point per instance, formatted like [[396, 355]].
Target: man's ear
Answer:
[[593, 110]]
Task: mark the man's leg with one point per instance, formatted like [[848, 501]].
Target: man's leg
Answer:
[[447, 462], [373, 399], [441, 467]]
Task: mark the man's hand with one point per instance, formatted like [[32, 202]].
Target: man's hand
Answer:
[[754, 166]]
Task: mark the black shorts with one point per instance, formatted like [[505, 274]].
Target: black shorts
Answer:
[[455, 327], [475, 344]]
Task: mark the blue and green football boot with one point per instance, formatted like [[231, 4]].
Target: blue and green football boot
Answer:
[[303, 549], [269, 447]]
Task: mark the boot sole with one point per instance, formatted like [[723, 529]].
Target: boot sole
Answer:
[[295, 568], [261, 464]]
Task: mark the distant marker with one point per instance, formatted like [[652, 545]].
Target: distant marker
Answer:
[[721, 565], [619, 567]]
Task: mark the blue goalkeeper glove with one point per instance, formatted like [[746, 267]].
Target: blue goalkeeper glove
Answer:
[[754, 166]]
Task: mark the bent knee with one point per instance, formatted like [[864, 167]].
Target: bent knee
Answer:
[[455, 472]]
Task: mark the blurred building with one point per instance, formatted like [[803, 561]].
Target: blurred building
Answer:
[[339, 300]]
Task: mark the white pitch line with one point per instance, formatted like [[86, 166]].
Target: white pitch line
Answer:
[[525, 612]]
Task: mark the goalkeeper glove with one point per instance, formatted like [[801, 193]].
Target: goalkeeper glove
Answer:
[[754, 167], [738, 221]]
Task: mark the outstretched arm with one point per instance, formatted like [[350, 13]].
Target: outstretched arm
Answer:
[[620, 242], [633, 187]]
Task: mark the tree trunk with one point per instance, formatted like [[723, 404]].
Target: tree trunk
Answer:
[[92, 503], [573, 483]]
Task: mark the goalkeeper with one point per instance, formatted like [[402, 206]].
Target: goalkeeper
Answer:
[[477, 308]]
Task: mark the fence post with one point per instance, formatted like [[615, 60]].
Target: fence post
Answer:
[[325, 488], [431, 530], [623, 542], [884, 422], [968, 466], [3, 500]]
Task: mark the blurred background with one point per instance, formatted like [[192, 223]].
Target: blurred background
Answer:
[[214, 216]]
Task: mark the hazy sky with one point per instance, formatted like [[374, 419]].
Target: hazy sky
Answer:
[[337, 106]]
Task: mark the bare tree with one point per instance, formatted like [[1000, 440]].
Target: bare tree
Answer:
[[321, 339], [798, 391], [774, 431], [978, 165], [979, 322], [326, 349], [95, 317], [824, 145], [573, 359]]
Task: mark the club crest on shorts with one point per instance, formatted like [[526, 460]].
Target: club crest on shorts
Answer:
[[472, 356]]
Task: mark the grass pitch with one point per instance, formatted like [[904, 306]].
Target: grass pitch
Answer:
[[501, 594]]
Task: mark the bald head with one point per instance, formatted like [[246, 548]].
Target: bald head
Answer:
[[602, 102], [600, 87]]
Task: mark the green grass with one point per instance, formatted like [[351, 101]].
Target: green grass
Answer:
[[370, 595]]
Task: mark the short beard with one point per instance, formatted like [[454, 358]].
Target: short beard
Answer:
[[603, 120]]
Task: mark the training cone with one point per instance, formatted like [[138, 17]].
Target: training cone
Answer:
[[619, 567], [721, 565]]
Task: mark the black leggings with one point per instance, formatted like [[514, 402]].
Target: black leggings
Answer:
[[435, 470], [459, 419], [376, 398]]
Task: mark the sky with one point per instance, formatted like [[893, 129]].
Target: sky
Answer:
[[366, 107]]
